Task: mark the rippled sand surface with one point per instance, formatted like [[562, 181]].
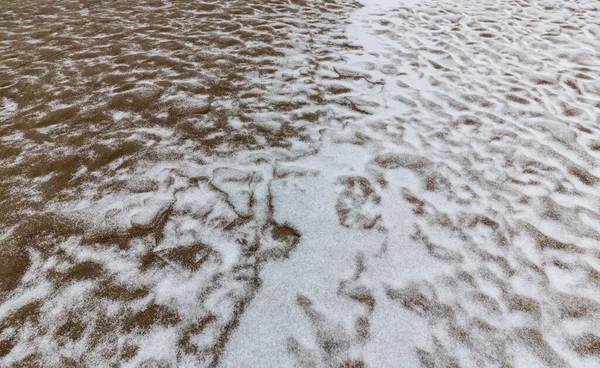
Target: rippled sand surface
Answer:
[[300, 183]]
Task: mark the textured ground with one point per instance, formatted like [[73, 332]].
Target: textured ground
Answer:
[[300, 183]]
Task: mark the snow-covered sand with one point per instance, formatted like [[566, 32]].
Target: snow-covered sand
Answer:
[[411, 183], [479, 160]]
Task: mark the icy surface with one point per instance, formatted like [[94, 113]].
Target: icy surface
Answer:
[[300, 184]]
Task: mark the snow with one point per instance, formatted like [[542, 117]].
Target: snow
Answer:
[[415, 185]]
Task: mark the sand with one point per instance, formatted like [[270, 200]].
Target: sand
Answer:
[[300, 183]]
